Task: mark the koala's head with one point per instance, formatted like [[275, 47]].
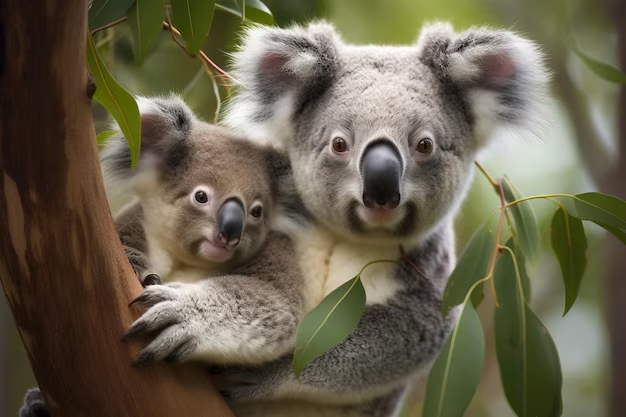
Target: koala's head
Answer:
[[381, 138], [206, 193]]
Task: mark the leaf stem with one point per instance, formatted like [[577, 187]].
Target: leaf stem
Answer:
[[535, 197], [109, 25], [489, 177]]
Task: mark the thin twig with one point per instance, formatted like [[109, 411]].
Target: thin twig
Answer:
[[489, 178], [409, 261], [175, 32], [108, 25]]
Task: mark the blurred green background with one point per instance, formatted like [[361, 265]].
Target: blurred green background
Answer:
[[577, 155]]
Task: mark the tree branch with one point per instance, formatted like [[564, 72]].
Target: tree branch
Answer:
[[62, 267]]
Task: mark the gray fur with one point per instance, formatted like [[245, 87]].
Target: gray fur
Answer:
[[302, 86]]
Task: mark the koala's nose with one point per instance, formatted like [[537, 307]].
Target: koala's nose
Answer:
[[230, 222], [381, 168]]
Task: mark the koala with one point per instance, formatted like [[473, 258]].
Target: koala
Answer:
[[206, 207], [203, 224], [381, 141]]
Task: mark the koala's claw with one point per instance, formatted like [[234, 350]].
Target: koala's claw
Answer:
[[151, 279], [155, 294], [172, 312]]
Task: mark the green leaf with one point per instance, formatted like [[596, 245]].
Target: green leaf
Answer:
[[116, 100], [103, 12], [256, 10], [472, 266], [569, 243], [193, 19], [620, 234], [525, 220], [103, 136], [330, 323], [529, 363], [456, 373], [601, 69], [146, 22], [602, 209]]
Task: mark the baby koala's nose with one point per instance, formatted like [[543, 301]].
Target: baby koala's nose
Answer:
[[230, 222]]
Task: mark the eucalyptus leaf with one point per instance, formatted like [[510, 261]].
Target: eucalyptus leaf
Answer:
[[601, 69], [256, 10], [569, 243], [525, 220], [473, 265], [602, 209], [456, 373], [146, 22], [103, 12], [103, 136], [330, 323], [116, 100], [193, 19], [530, 367], [620, 234]]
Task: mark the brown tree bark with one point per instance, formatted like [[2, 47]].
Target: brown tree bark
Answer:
[[62, 267], [616, 260]]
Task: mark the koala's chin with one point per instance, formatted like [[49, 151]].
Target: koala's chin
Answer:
[[377, 227]]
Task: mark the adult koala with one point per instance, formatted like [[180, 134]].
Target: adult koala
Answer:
[[382, 141]]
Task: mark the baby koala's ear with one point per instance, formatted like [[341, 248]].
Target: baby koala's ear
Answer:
[[165, 125]]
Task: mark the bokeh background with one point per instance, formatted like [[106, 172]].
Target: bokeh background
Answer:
[[580, 153]]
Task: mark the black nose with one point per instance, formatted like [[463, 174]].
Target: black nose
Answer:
[[381, 167], [230, 222]]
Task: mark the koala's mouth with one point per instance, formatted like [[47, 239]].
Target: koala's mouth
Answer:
[[401, 221], [215, 252], [380, 216]]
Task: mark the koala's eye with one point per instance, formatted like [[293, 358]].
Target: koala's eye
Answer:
[[257, 212], [339, 145], [425, 146], [201, 197]]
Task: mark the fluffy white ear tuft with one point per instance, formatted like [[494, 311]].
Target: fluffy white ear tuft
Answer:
[[276, 69], [164, 121], [501, 74]]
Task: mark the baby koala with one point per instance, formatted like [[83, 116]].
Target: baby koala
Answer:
[[202, 223], [199, 187]]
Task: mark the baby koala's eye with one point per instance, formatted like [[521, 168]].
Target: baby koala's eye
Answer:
[[201, 197], [257, 211]]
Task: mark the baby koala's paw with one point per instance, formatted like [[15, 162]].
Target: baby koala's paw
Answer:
[[173, 322]]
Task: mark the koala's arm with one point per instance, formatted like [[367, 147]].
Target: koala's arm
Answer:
[[130, 230], [248, 317], [392, 343]]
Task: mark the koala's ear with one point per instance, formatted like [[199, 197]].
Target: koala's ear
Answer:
[[276, 69], [501, 74], [165, 122]]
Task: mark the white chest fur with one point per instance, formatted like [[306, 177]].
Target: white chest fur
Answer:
[[327, 263]]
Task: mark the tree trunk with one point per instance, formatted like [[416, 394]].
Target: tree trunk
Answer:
[[616, 259], [62, 267]]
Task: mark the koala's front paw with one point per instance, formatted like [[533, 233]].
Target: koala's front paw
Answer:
[[177, 314]]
